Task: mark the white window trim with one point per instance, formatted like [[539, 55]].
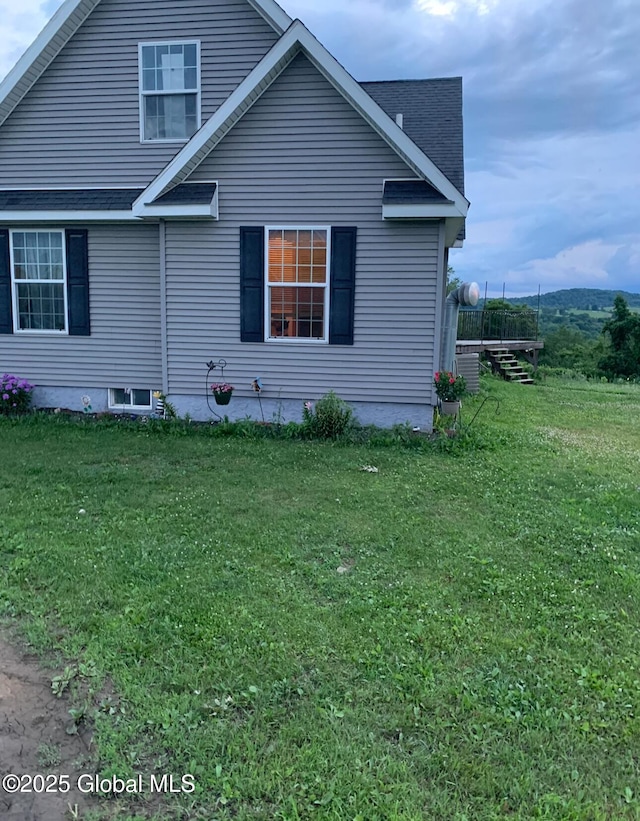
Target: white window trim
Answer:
[[295, 340], [123, 407], [14, 283], [142, 94]]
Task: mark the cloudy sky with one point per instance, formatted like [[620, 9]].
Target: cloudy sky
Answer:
[[552, 120]]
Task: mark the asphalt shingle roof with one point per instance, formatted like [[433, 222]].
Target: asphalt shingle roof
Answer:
[[432, 114], [88, 199], [188, 193], [410, 191]]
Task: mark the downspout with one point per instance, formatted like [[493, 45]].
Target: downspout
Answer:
[[466, 295]]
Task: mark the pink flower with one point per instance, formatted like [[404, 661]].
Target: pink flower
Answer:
[[452, 381]]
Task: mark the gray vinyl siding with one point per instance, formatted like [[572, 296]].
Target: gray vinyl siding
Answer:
[[79, 124], [303, 156], [124, 349]]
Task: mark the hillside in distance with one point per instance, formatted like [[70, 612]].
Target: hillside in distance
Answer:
[[580, 299]]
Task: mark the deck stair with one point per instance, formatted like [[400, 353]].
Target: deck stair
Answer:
[[506, 364]]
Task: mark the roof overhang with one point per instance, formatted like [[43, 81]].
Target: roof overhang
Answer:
[[191, 201], [453, 222], [66, 216], [297, 39], [411, 211], [157, 210], [59, 30]]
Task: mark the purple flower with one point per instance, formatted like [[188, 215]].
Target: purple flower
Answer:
[[5, 396]]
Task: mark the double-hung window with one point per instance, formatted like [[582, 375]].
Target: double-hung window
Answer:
[[297, 284], [297, 281], [169, 90], [44, 281], [38, 274]]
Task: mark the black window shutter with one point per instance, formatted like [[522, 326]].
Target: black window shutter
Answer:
[[78, 281], [6, 320], [251, 284], [343, 285]]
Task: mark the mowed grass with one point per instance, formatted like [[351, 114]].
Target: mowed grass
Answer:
[[454, 637]]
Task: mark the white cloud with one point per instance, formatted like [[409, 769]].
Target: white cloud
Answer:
[[439, 8], [449, 8], [584, 265]]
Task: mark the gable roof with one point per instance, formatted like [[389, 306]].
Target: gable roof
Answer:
[[59, 30], [298, 38], [432, 117]]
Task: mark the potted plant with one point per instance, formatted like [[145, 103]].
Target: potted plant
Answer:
[[450, 390], [222, 392]]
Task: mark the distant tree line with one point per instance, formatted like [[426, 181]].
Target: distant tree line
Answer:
[[580, 299], [596, 347]]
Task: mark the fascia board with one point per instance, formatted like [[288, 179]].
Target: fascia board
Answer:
[[420, 211], [41, 52], [177, 211], [297, 38], [66, 216], [273, 14], [452, 228]]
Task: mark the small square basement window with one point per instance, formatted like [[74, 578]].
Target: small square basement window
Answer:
[[129, 399]]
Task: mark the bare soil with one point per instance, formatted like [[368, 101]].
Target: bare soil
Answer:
[[34, 741]]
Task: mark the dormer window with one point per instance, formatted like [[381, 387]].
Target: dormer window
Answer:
[[169, 91]]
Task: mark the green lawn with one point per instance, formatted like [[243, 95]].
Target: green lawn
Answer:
[[454, 637]]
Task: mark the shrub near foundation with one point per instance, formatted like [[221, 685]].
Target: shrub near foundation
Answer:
[[15, 394], [329, 418]]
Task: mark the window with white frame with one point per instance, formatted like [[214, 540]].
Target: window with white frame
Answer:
[[130, 398], [297, 283], [39, 280], [169, 90]]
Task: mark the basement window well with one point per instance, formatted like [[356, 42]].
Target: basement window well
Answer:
[[129, 399]]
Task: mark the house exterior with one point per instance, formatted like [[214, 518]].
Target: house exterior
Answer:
[[190, 181]]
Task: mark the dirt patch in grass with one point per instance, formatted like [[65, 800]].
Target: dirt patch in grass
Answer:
[[34, 741]]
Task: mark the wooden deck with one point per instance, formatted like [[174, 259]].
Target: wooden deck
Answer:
[[481, 345]]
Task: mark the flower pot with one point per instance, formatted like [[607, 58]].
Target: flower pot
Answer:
[[450, 408], [222, 398]]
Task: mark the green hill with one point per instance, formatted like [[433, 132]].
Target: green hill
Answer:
[[578, 299]]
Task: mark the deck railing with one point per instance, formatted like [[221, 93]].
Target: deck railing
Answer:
[[502, 325]]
